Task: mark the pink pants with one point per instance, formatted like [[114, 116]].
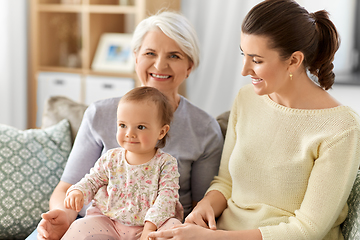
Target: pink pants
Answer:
[[97, 226]]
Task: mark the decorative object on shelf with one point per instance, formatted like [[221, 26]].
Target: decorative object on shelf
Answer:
[[68, 35], [124, 2], [113, 53]]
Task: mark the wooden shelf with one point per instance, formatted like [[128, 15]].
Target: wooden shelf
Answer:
[[87, 8], [58, 31]]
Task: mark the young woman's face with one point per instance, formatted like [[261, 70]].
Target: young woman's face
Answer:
[[269, 73], [138, 126], [160, 62]]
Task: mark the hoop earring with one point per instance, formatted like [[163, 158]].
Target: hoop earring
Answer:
[[291, 76]]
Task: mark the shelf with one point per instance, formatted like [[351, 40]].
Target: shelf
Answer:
[[89, 72], [60, 69], [64, 37], [59, 8], [71, 8]]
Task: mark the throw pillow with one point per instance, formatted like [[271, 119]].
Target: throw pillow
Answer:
[[351, 225], [31, 164], [58, 108]]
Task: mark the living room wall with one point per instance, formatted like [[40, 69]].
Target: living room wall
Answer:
[[13, 62]]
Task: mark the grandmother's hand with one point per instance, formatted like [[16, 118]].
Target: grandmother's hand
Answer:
[[53, 225]]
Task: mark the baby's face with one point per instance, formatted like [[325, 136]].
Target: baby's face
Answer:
[[138, 126]]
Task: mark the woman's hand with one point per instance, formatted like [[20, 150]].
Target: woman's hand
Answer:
[[202, 215], [74, 200], [53, 225], [184, 231]]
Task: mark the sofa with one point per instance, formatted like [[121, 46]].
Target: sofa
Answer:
[[32, 161]]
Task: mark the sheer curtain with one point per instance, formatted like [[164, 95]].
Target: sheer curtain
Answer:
[[214, 85], [13, 63]]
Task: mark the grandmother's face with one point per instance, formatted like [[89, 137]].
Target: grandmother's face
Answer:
[[160, 62]]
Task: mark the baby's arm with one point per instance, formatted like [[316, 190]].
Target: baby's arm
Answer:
[[74, 200], [148, 228]]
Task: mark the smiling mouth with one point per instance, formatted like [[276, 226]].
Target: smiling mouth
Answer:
[[130, 142], [160, 76], [256, 80]]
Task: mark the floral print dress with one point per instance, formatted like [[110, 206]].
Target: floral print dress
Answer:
[[133, 194]]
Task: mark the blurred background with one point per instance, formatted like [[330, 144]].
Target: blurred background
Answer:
[[213, 86]]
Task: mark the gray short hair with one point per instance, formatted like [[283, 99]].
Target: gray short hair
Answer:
[[173, 25]]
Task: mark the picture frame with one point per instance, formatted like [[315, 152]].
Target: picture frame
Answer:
[[114, 54]]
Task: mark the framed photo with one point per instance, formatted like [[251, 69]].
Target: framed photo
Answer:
[[114, 54]]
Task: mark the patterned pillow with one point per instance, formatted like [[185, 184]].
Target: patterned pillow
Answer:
[[31, 164], [351, 226]]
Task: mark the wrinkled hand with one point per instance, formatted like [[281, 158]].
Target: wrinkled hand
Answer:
[[74, 200], [202, 215], [53, 225], [184, 232]]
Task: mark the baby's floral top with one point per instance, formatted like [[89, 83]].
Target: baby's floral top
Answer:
[[134, 194]]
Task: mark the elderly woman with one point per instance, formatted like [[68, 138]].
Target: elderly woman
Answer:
[[166, 51]]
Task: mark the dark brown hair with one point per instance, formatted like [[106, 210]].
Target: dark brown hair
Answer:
[[165, 109], [292, 28]]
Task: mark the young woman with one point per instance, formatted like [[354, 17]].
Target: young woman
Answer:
[[291, 152]]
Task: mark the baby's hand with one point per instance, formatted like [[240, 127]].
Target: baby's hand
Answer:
[[74, 200]]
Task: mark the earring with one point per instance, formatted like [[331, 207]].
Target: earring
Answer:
[[290, 76]]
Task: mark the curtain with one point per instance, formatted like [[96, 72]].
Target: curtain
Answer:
[[13, 63], [214, 85]]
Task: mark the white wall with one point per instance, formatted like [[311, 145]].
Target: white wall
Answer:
[[13, 63]]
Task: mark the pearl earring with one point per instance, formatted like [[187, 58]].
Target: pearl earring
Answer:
[[290, 76]]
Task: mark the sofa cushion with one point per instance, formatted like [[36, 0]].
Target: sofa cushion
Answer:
[[31, 164], [58, 108], [351, 226]]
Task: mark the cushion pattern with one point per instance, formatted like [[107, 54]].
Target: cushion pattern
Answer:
[[351, 226], [31, 164]]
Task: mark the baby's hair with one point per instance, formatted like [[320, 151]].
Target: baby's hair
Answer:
[[165, 110]]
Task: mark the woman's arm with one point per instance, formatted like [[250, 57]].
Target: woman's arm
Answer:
[[206, 167], [57, 200], [55, 223]]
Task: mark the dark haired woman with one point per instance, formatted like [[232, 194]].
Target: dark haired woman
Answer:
[[291, 152]]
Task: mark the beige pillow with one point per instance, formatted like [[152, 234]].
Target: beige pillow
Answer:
[[58, 108]]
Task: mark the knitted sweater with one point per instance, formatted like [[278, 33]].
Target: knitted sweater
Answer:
[[287, 171]]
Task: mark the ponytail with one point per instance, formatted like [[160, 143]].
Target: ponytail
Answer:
[[328, 44]]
